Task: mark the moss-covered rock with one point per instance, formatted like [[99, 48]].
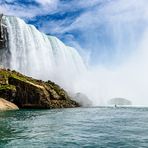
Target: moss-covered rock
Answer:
[[27, 92]]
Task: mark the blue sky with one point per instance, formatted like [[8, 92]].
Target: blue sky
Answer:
[[101, 30]]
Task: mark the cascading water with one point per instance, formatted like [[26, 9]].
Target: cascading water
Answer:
[[41, 56]]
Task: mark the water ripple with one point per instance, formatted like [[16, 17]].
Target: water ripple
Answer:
[[78, 127]]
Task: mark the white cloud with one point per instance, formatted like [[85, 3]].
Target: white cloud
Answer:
[[29, 11], [19, 11], [45, 2]]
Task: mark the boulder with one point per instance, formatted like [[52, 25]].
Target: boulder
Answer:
[[6, 105]]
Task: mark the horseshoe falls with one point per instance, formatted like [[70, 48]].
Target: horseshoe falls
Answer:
[[40, 56]]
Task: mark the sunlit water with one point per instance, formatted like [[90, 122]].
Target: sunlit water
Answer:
[[79, 127]]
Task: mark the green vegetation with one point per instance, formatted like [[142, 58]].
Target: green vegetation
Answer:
[[6, 87]]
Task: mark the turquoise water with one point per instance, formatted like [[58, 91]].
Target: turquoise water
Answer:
[[72, 128]]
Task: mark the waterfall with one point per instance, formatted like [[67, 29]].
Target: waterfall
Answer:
[[40, 56]]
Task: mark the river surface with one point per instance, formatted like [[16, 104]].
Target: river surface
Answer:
[[100, 127]]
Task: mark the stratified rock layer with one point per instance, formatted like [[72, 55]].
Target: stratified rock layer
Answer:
[[27, 92]]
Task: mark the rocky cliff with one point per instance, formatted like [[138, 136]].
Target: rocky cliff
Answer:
[[27, 92]]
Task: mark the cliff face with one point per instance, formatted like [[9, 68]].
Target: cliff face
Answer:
[[27, 92]]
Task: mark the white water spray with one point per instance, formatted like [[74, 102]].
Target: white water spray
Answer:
[[119, 35]]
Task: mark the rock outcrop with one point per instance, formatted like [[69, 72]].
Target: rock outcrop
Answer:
[[27, 92], [6, 105]]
